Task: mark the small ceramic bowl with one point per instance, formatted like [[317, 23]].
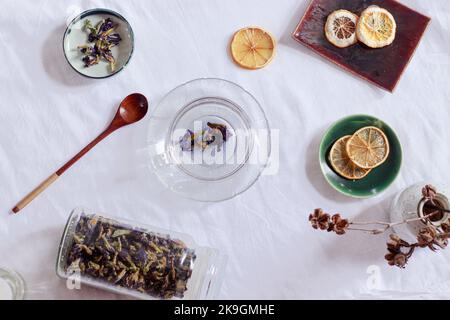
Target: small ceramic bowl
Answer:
[[76, 36], [379, 179]]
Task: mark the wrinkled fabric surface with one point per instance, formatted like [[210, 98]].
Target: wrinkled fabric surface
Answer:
[[48, 112]]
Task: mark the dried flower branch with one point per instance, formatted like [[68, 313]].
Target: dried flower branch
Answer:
[[319, 219], [396, 256], [429, 193], [399, 251]]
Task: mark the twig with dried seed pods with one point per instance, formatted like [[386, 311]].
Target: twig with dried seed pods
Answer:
[[399, 251]]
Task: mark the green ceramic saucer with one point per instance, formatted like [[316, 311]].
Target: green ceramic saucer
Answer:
[[379, 179]]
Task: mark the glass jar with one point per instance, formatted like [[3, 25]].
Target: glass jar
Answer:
[[136, 260], [12, 286], [410, 204]]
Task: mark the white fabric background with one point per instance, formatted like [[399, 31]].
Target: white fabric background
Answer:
[[48, 112]]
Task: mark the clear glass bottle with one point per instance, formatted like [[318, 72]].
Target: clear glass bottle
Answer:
[[12, 286], [137, 260], [410, 204]]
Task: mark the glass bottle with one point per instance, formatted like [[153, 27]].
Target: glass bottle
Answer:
[[12, 286], [137, 260], [410, 204]]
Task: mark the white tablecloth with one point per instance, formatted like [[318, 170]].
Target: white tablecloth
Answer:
[[48, 112]]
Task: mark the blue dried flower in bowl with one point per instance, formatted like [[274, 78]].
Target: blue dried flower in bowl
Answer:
[[98, 43]]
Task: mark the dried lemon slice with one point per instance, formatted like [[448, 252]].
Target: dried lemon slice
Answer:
[[252, 48], [342, 164], [368, 148], [340, 28], [376, 27]]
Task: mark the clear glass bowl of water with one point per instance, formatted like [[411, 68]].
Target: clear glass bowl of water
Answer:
[[216, 173]]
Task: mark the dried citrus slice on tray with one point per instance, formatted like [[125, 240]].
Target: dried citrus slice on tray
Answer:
[[368, 148], [341, 162], [376, 27], [340, 28], [252, 48]]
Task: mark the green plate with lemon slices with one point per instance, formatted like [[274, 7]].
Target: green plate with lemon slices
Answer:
[[379, 178]]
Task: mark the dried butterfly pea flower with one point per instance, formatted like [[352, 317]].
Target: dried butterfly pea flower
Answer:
[[104, 39], [114, 39], [187, 141], [222, 129], [133, 259], [213, 135]]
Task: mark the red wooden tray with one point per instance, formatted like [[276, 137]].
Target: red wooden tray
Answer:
[[382, 67]]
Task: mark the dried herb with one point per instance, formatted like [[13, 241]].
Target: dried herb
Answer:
[[187, 142], [104, 39], [399, 251], [324, 221], [338, 224], [320, 220], [429, 192], [213, 135], [134, 259]]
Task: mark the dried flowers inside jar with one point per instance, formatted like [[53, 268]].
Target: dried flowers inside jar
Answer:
[[136, 260]]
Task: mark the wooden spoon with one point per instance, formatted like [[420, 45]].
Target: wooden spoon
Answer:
[[132, 109]]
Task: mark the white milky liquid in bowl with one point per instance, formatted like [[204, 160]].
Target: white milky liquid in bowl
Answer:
[[5, 290], [76, 36]]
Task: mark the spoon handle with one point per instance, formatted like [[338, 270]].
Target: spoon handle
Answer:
[[86, 149], [33, 194], [45, 184]]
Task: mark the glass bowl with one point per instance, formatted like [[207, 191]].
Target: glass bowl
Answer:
[[218, 172]]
